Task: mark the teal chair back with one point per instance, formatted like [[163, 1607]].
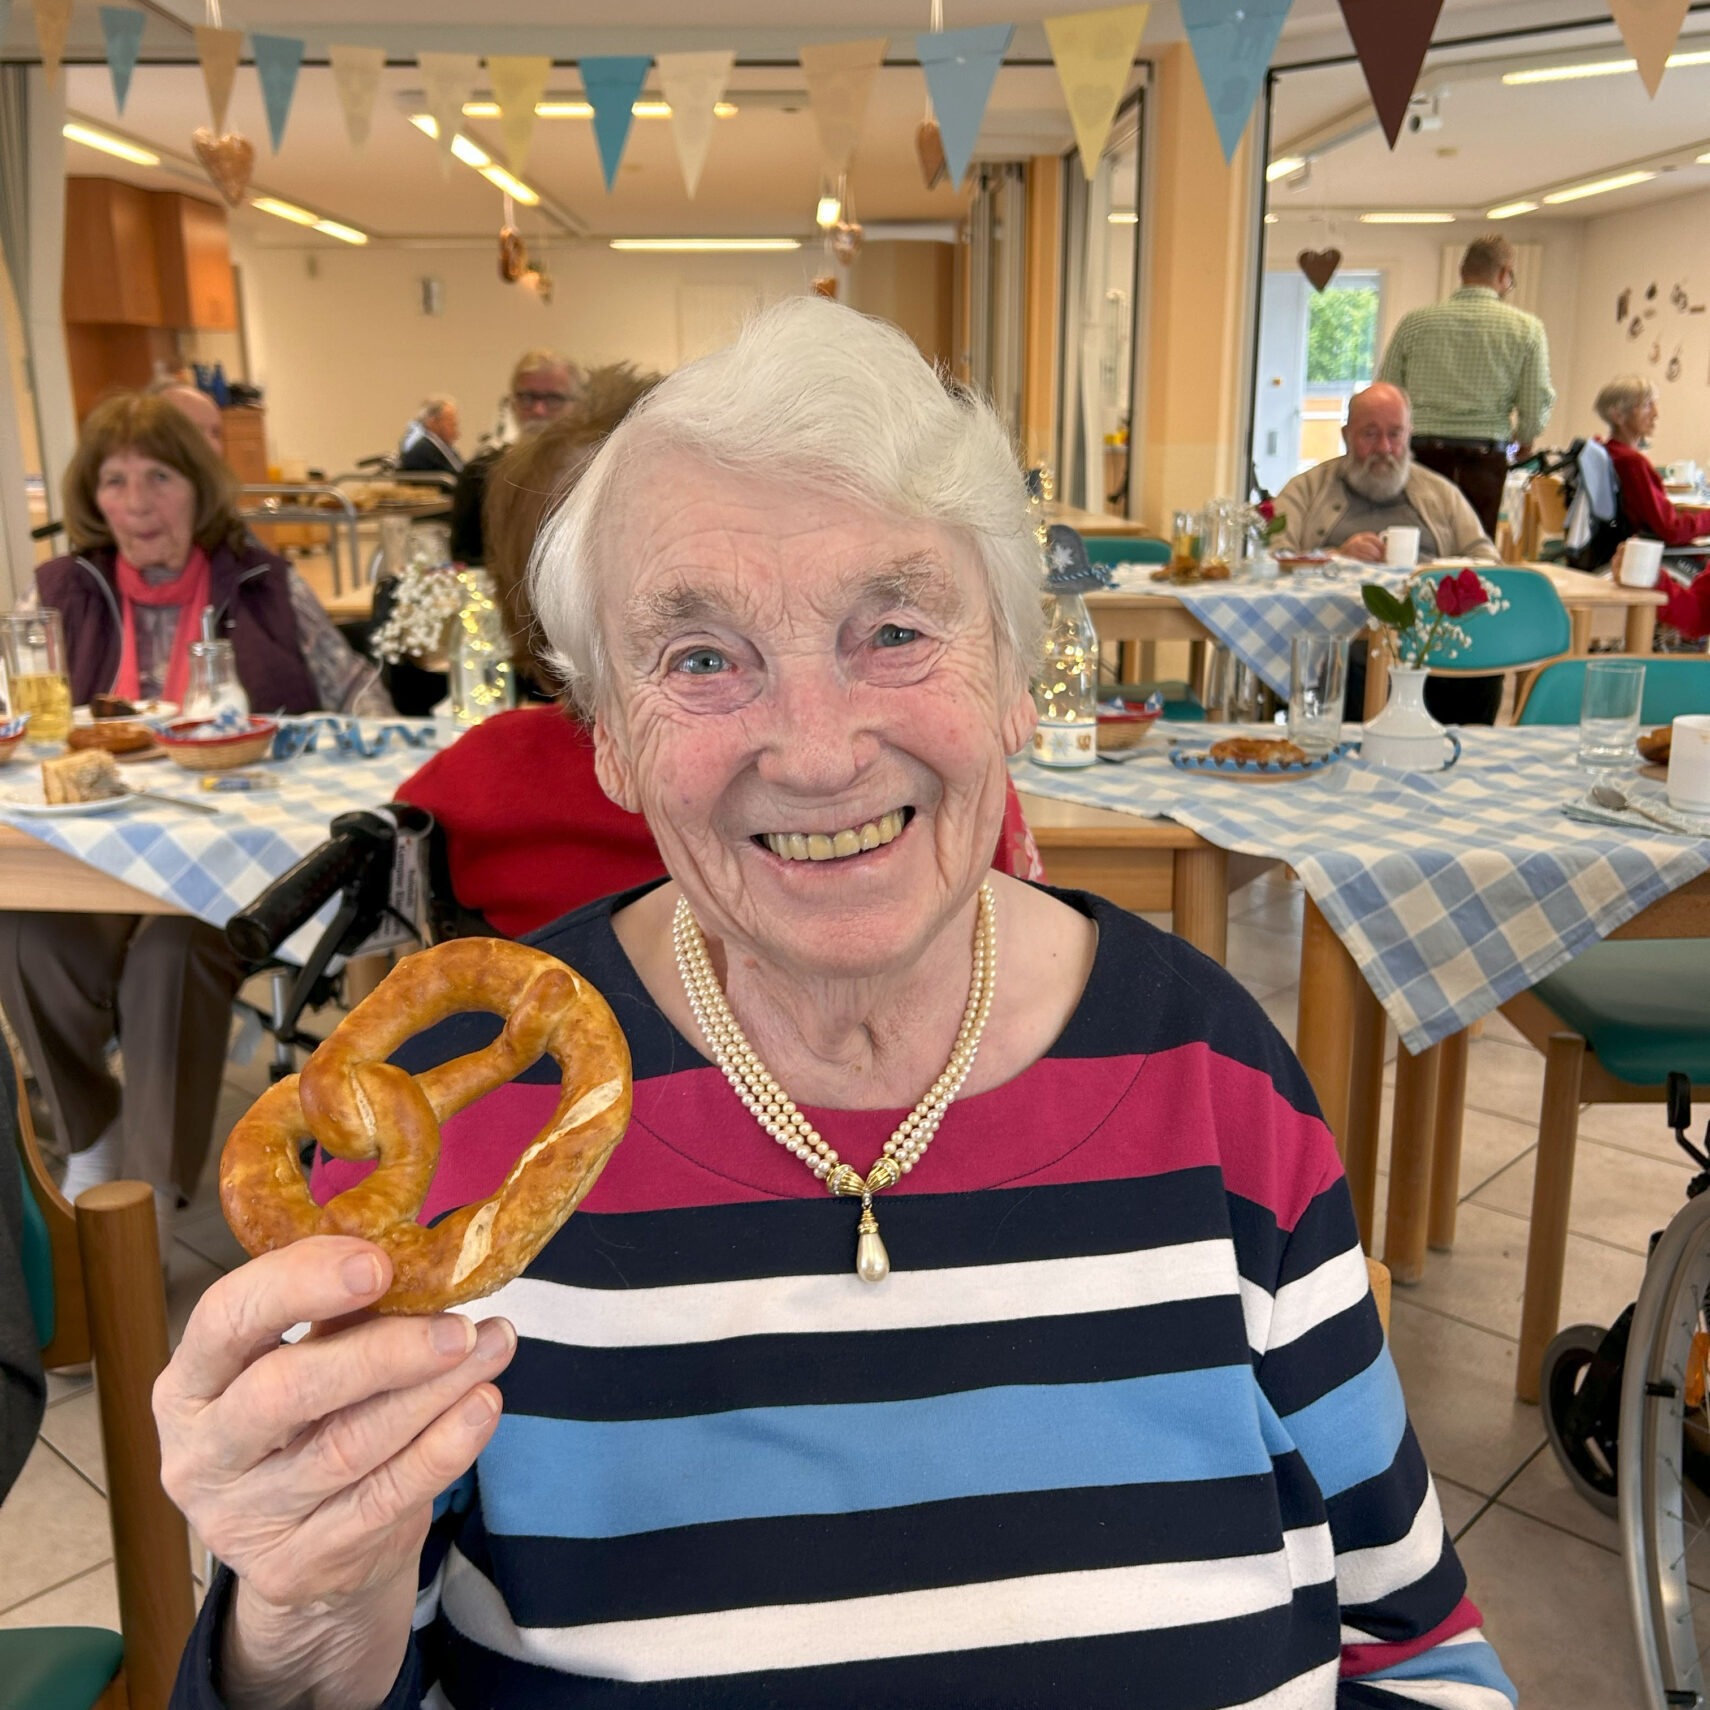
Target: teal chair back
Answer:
[[1534, 628], [1126, 549], [1672, 686]]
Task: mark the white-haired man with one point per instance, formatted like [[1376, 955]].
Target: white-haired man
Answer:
[[429, 445]]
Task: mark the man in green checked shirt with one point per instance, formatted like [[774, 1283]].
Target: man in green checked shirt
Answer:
[[1478, 372]]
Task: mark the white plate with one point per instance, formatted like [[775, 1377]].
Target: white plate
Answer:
[[28, 799], [146, 711]]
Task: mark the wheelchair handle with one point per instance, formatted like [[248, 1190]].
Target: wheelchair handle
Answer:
[[358, 842]]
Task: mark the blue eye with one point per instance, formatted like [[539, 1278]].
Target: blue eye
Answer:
[[701, 662], [895, 635]]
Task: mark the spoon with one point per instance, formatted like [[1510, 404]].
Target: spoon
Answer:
[[1612, 796], [170, 801]]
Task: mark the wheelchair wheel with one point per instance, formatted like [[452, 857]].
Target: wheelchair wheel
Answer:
[[1664, 1472], [1587, 1456]]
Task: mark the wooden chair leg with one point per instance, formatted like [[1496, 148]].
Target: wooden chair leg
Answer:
[[1446, 1145], [1552, 1193], [1410, 1163], [1365, 1109], [1199, 899]]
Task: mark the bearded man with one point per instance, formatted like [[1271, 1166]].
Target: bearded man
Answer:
[[1345, 503]]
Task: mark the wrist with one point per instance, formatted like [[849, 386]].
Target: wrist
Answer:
[[342, 1655]]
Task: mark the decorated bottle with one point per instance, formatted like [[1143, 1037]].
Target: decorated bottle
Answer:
[[1065, 691]]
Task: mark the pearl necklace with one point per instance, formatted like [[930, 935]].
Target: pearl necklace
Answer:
[[753, 1084]]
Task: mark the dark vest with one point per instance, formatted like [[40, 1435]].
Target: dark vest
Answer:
[[248, 589]]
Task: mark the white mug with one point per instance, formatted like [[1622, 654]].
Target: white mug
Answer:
[[1401, 547], [1689, 764], [1641, 563]]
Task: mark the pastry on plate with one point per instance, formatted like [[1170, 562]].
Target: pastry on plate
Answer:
[[116, 735], [1657, 744], [84, 775], [1262, 750]]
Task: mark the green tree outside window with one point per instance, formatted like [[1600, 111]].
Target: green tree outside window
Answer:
[[1341, 336]]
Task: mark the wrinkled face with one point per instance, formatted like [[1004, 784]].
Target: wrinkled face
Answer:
[[150, 508], [1377, 437], [445, 424], [538, 395], [797, 677], [1640, 422]]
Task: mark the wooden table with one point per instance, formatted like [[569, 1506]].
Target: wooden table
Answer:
[[1095, 522], [1586, 595]]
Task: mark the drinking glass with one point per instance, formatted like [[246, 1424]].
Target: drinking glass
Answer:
[[213, 684], [1609, 713], [1317, 682], [1185, 541], [32, 654]]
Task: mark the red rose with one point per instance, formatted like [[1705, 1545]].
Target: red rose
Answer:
[[1457, 595], [1268, 509]]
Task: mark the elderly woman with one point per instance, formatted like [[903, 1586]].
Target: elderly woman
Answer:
[[1629, 407], [151, 511], [1099, 1395]]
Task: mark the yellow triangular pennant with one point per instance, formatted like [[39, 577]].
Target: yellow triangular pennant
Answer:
[[519, 80], [1094, 52]]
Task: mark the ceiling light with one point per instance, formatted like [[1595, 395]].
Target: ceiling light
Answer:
[[1702, 160], [1597, 68], [1598, 187], [828, 213], [1123, 217], [1283, 167], [344, 234], [513, 187], [1407, 219], [1270, 219], [1509, 209], [585, 110], [284, 210], [471, 155], [707, 243], [91, 138]]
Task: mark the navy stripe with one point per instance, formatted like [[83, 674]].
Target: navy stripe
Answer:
[[1418, 1606], [1188, 1668], [1308, 1368], [689, 1570], [554, 1380], [1382, 1510], [1326, 1228]]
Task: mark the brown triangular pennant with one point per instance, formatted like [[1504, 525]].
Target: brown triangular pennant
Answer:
[[1391, 37]]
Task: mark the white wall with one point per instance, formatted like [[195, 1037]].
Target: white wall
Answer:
[[345, 353], [1666, 244]]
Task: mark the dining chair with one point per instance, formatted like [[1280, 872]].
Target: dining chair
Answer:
[[1125, 549], [1533, 630], [1611, 1025], [93, 1277], [1673, 685]]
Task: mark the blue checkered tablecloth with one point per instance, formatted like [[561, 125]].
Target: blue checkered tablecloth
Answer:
[[1451, 890], [209, 865], [1256, 621]]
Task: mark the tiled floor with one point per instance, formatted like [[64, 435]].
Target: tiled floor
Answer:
[[1544, 1566]]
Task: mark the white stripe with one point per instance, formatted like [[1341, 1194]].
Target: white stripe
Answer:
[[1365, 1576], [434, 1698], [1314, 1690], [1446, 1694], [1308, 1301], [1032, 1609], [427, 1601], [1311, 1554], [843, 1304]]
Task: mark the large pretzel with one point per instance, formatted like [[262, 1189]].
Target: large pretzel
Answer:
[[357, 1105]]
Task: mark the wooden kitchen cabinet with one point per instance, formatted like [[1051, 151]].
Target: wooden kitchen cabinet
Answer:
[[196, 284], [112, 269]]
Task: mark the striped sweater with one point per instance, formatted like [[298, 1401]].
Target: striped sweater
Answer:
[[1120, 1428]]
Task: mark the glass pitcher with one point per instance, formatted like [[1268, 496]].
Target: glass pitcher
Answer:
[[212, 686]]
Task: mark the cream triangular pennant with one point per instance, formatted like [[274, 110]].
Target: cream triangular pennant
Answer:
[[839, 77], [447, 79], [1650, 28], [53, 17], [519, 80], [356, 74], [693, 84], [1094, 52], [219, 52]]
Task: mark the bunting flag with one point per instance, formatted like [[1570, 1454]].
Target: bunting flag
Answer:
[[356, 73], [219, 52], [1094, 52], [1391, 37], [1232, 46], [121, 29], [52, 19], [447, 79], [612, 82], [839, 78], [519, 80], [278, 59], [960, 67], [1650, 28], [693, 84]]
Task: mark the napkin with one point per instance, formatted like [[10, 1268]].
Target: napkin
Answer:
[[1668, 820]]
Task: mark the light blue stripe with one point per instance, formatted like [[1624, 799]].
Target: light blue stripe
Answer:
[[1352, 1433], [1476, 1664], [597, 1479]]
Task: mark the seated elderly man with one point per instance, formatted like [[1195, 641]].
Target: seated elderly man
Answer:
[[973, 1312], [429, 445], [1345, 503]]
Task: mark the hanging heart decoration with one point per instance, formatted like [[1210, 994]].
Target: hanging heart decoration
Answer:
[[228, 160], [539, 281], [929, 150], [1319, 265], [513, 255], [846, 240], [826, 285]]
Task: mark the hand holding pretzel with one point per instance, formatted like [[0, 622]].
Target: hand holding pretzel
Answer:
[[359, 1106]]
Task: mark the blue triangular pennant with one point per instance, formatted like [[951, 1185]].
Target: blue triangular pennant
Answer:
[[1232, 43], [612, 82], [960, 67], [277, 62], [122, 29]]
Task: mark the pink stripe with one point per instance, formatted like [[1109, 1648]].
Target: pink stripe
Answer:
[[1064, 1120], [1368, 1659]]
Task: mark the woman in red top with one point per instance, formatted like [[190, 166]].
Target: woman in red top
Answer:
[[1629, 406]]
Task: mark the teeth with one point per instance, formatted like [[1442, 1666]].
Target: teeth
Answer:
[[819, 846]]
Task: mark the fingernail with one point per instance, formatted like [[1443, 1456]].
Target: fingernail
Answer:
[[361, 1273], [478, 1409], [451, 1334], [495, 1341]]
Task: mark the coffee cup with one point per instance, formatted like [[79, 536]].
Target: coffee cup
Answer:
[[1641, 563], [1689, 764], [1401, 547]]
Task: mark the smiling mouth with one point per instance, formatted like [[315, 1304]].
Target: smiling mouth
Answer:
[[836, 845]]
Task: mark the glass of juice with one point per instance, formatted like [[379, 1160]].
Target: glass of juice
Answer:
[[32, 650]]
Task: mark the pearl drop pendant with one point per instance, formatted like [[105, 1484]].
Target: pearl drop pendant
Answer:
[[872, 1262]]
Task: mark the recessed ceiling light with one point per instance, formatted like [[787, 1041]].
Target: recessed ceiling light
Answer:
[[284, 210], [1509, 209], [828, 213], [344, 233], [1599, 187], [473, 155], [1270, 219], [1597, 68], [706, 243], [585, 110], [1407, 219], [92, 138], [1283, 167], [1123, 217]]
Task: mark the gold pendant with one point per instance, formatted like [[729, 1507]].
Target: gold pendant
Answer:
[[872, 1262]]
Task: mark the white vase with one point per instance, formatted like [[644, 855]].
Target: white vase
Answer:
[[1404, 736]]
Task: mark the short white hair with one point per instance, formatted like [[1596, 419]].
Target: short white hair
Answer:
[[435, 405], [811, 392], [1621, 397]]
